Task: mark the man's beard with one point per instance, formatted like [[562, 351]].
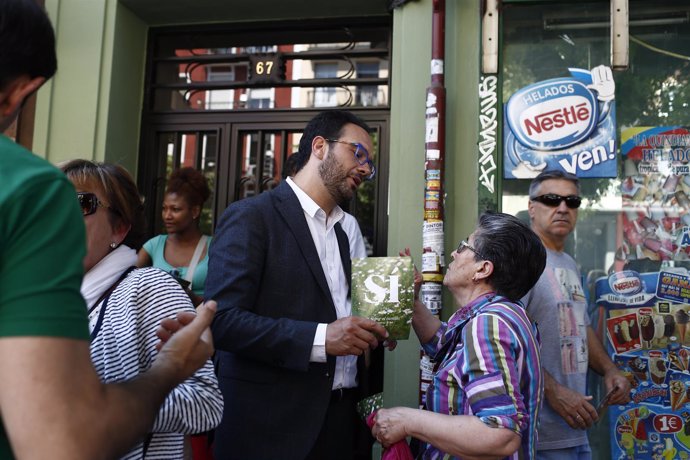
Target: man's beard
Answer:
[[335, 180]]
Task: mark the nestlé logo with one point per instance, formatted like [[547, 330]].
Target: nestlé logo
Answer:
[[626, 283], [552, 114]]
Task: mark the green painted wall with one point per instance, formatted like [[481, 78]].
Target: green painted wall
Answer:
[[74, 106], [411, 76], [91, 108], [126, 89]]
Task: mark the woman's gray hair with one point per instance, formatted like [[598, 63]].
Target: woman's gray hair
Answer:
[[516, 252]]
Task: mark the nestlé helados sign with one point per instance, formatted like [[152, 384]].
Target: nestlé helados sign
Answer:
[[553, 114]]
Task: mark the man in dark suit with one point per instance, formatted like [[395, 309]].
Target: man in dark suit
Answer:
[[286, 344]]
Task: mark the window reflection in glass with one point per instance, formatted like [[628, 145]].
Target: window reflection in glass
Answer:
[[217, 78]]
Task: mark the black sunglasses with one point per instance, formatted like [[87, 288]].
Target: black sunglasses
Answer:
[[553, 200], [89, 203]]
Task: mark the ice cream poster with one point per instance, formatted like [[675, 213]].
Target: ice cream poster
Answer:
[[567, 124], [661, 150], [655, 191], [649, 342]]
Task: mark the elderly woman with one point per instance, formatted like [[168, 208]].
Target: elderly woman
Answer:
[[487, 389], [126, 305]]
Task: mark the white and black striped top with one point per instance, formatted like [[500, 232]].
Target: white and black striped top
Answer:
[[125, 347]]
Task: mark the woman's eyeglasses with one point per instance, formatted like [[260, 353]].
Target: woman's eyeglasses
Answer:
[[361, 155], [89, 203], [464, 244], [552, 200]]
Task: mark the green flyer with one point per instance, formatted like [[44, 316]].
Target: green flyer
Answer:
[[383, 290]]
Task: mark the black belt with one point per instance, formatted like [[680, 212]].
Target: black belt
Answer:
[[340, 394]]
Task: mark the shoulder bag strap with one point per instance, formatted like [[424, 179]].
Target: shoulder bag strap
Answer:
[[104, 298], [195, 260]]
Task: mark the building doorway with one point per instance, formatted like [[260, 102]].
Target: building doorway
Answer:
[[231, 101]]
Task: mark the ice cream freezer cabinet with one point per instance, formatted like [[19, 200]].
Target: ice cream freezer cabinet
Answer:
[[647, 334]]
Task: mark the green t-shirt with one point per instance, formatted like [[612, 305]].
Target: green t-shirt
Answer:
[[42, 246]]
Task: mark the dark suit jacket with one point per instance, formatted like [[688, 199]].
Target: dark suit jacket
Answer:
[[265, 274]]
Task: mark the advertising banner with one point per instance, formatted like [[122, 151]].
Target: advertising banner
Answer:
[[567, 124], [655, 190], [648, 339]]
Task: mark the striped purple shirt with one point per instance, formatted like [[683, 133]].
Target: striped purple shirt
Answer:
[[488, 365]]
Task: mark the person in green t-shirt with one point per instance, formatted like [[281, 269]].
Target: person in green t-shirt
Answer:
[[52, 403]]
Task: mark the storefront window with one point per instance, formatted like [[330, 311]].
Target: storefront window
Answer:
[[541, 42], [637, 219]]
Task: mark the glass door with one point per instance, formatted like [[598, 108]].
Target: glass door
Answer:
[[242, 159], [179, 147]]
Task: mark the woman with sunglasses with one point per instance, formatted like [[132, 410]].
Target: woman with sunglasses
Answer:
[[126, 305], [183, 252], [487, 388]]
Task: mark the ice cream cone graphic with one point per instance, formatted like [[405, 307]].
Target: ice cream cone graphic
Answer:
[[675, 360], [679, 395], [684, 357]]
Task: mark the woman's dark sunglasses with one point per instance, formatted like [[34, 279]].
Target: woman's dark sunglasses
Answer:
[[553, 200], [89, 203]]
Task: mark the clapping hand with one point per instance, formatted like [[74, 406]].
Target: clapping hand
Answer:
[[186, 341]]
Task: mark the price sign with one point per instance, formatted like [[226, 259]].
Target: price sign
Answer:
[[266, 68], [668, 423]]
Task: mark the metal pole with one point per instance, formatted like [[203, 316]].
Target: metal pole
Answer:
[[433, 253]]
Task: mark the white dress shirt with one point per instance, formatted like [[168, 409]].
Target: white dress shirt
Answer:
[[326, 242]]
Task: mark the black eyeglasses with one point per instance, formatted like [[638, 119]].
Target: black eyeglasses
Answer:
[[464, 244], [553, 200], [89, 203], [361, 155]]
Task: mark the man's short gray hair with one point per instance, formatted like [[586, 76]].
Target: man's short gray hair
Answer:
[[552, 174]]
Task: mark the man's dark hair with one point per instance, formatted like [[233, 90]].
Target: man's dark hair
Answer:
[[515, 250], [328, 124], [27, 41], [552, 174]]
